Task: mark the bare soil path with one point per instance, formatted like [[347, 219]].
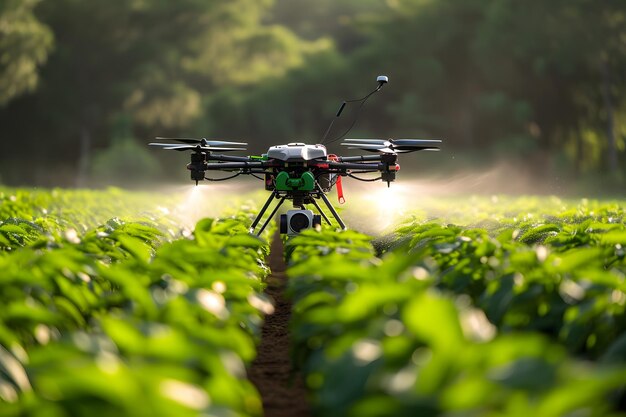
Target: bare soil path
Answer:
[[282, 390]]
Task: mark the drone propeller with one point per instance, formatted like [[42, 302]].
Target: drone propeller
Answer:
[[393, 145], [204, 141], [368, 141], [372, 148], [178, 147]]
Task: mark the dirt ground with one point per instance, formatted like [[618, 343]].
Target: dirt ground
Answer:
[[282, 390]]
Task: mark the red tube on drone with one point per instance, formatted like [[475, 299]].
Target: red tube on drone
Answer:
[[340, 197], [340, 191]]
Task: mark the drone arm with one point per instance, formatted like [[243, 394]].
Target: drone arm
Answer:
[[369, 158], [346, 166], [228, 158], [232, 165]]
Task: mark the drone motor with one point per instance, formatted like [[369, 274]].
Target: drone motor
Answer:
[[197, 166]]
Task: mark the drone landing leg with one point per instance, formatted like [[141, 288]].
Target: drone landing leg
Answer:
[[317, 206], [271, 216], [262, 212], [332, 210]]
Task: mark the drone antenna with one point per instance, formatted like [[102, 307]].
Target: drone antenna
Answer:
[[381, 80]]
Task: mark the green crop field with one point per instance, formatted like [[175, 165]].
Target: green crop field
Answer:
[[518, 309], [114, 305], [128, 315]]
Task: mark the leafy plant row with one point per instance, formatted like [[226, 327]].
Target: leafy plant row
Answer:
[[560, 273], [56, 211], [123, 320], [525, 317]]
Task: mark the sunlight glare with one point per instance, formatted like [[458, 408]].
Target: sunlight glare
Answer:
[[389, 204]]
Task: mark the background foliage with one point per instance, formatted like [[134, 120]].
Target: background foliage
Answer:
[[539, 82]]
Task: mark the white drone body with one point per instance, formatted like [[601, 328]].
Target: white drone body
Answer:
[[297, 152]]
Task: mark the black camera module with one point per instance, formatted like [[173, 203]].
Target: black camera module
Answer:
[[299, 222]]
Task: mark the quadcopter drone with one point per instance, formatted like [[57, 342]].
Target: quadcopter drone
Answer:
[[300, 172]]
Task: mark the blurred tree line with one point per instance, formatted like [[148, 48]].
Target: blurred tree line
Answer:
[[85, 84]]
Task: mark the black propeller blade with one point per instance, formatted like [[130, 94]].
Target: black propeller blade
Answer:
[[416, 144], [178, 147], [369, 147], [368, 141], [393, 145], [204, 141]]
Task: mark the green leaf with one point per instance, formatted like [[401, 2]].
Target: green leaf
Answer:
[[12, 228], [136, 247], [617, 237], [434, 319]]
